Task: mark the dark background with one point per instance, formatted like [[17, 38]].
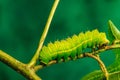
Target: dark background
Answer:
[[22, 23]]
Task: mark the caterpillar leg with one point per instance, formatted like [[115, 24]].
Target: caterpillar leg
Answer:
[[93, 49]]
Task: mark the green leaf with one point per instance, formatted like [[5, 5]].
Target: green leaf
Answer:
[[113, 31], [115, 76], [97, 75]]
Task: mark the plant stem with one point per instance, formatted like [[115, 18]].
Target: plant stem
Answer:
[[18, 66], [102, 66], [36, 68], [36, 56]]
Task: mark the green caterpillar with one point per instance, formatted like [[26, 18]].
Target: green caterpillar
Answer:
[[72, 47]]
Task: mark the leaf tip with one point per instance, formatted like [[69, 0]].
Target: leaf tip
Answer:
[[113, 30]]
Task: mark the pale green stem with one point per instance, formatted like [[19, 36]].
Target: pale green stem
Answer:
[[36, 56], [18, 66]]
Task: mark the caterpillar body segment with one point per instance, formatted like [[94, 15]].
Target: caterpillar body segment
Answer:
[[72, 47]]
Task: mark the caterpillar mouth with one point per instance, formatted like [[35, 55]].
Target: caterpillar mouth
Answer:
[[103, 45]]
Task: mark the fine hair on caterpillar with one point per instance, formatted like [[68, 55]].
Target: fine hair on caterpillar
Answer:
[[70, 48]]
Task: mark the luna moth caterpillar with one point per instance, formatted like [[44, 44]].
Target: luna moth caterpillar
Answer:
[[72, 47]]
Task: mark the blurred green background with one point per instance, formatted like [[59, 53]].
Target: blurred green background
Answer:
[[22, 23]]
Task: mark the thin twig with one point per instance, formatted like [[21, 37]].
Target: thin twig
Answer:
[[102, 66], [36, 68], [36, 56]]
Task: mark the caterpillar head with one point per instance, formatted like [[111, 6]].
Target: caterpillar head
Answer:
[[104, 40]]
